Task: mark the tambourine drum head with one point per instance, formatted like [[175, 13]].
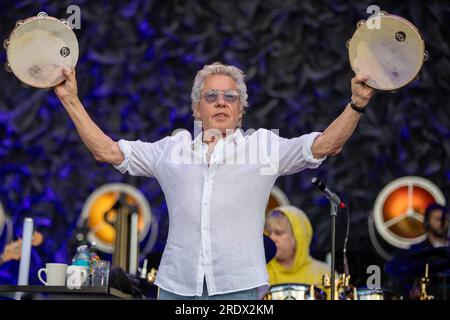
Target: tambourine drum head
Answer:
[[391, 56], [39, 48]]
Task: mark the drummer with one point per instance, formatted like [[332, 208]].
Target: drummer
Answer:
[[436, 221], [291, 230], [214, 249]]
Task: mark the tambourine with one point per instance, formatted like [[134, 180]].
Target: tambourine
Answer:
[[39, 48], [390, 50]]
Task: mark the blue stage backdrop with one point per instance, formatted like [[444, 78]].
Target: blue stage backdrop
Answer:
[[135, 72]]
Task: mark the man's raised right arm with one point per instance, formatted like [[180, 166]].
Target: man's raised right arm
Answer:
[[101, 146]]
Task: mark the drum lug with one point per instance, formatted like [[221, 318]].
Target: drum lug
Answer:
[[360, 23], [6, 43], [42, 14], [7, 67], [425, 55], [66, 23], [347, 44], [19, 22], [383, 13]]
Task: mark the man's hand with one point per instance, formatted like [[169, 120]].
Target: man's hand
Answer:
[[68, 90], [361, 93], [12, 251]]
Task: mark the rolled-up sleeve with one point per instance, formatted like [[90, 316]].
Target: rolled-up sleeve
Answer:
[[141, 158], [294, 155]]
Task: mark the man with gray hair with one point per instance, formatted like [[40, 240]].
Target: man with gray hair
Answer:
[[216, 192]]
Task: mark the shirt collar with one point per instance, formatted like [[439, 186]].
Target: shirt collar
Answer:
[[236, 136]]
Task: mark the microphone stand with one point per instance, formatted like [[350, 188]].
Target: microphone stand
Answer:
[[335, 202], [333, 215]]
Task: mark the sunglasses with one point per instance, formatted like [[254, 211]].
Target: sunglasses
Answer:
[[229, 96]]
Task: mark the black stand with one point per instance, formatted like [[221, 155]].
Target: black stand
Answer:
[[335, 201], [333, 215]]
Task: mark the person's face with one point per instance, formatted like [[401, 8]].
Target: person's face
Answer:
[[221, 114], [280, 233], [435, 221]]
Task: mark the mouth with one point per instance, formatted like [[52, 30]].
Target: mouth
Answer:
[[221, 116]]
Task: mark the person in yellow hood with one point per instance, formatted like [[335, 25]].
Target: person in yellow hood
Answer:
[[291, 230]]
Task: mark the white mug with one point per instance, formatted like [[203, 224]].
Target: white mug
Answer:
[[56, 274], [76, 276]]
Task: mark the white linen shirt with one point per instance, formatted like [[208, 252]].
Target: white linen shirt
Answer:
[[216, 211]]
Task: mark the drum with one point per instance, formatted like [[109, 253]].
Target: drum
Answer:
[[277, 198], [376, 294], [295, 291], [391, 53], [38, 49]]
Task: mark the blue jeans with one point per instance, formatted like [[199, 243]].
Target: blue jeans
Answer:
[[250, 294]]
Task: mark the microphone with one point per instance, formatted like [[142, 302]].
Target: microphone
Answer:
[[328, 193]]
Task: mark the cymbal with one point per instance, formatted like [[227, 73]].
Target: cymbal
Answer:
[[269, 248], [413, 263]]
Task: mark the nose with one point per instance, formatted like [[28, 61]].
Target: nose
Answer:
[[220, 100]]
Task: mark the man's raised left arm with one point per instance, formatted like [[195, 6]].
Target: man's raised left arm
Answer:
[[331, 141]]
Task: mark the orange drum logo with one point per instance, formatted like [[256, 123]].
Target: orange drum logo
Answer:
[[98, 211], [399, 210], [277, 198]]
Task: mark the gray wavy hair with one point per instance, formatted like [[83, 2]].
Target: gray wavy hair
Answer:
[[218, 68]]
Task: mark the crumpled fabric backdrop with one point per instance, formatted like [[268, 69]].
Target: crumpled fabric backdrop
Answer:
[[135, 72]]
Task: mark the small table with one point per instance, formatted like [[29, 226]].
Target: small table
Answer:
[[39, 292]]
